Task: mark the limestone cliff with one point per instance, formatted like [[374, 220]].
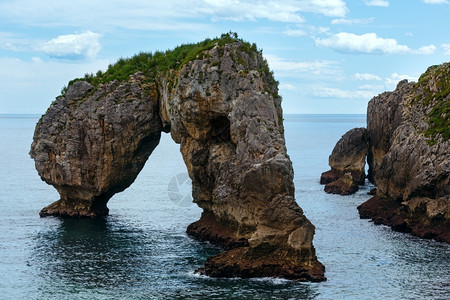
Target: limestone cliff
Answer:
[[220, 102], [409, 157], [384, 115], [413, 175]]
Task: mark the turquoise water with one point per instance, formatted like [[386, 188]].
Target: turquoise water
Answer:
[[141, 250]]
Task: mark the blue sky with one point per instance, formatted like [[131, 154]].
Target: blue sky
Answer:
[[330, 56]]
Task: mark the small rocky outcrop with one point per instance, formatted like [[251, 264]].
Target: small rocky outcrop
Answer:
[[220, 102], [344, 185], [409, 157], [347, 162]]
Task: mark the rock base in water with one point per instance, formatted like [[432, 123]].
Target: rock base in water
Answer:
[[244, 263], [73, 209], [329, 176], [345, 185], [208, 229], [401, 218]]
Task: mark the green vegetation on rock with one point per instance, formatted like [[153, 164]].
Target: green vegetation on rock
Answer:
[[433, 93], [153, 64]]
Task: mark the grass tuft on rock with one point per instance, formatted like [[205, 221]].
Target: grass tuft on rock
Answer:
[[152, 64]]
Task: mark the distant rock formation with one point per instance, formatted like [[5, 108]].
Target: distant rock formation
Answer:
[[347, 162], [220, 102], [409, 157]]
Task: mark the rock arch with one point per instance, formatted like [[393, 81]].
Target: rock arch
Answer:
[[224, 110]]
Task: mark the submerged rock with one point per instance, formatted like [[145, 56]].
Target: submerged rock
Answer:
[[222, 106]]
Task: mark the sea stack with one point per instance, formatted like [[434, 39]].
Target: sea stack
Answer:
[[219, 101], [347, 162], [409, 157]]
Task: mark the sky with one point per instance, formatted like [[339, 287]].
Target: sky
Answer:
[[330, 56]]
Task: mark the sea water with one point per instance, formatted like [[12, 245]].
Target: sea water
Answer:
[[141, 250]]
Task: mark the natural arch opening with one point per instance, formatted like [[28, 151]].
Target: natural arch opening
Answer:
[[150, 191]]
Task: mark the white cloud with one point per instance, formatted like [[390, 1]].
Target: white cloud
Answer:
[[331, 8], [294, 32], [31, 85], [426, 50], [317, 67], [14, 42], [288, 87], [391, 82], [70, 46], [327, 92], [304, 29], [371, 88], [435, 1], [446, 48], [73, 45], [367, 76], [161, 15], [251, 10], [369, 43], [352, 21], [382, 3]]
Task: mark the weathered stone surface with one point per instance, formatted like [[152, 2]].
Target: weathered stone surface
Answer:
[[90, 146], [329, 176], [345, 185], [224, 110], [348, 157], [384, 115], [230, 264], [349, 154], [412, 176], [232, 141], [423, 217], [409, 157]]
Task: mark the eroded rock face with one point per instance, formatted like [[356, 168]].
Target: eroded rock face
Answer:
[[232, 141], [92, 144], [348, 159], [409, 157], [344, 185], [225, 112], [413, 175], [384, 115]]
